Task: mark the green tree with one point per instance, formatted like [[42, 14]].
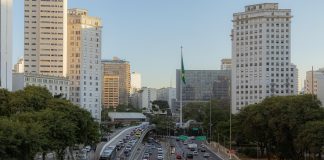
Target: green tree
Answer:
[[275, 123], [4, 102], [20, 140], [161, 105]]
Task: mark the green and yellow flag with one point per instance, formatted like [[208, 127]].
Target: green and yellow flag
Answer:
[[182, 70]]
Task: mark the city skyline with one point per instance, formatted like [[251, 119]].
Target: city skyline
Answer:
[[144, 31]]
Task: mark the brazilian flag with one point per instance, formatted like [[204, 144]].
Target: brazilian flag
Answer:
[[182, 70]]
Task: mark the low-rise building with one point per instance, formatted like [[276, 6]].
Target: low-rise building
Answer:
[[126, 117], [55, 84]]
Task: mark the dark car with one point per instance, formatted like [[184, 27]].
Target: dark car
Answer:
[[189, 156]]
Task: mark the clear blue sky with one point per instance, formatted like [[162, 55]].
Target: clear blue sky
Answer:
[[149, 33]]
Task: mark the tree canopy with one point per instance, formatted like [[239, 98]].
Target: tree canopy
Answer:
[[32, 121]]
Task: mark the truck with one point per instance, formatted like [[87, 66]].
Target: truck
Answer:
[[192, 146]]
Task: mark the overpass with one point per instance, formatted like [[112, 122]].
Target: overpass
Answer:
[[139, 143]]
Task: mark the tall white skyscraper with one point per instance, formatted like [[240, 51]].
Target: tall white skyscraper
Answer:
[[261, 59], [6, 44], [46, 37], [136, 82], [84, 58]]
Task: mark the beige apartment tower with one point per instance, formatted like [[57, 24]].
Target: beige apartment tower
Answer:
[[45, 37], [120, 68], [84, 55], [110, 91]]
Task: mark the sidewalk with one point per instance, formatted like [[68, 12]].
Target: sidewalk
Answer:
[[220, 150]]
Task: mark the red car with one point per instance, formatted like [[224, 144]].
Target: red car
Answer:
[[178, 156]]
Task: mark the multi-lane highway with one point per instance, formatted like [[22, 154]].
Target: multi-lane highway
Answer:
[[124, 142], [182, 149]]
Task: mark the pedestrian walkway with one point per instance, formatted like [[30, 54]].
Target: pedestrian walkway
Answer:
[[221, 151]]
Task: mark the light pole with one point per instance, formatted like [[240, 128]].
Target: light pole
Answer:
[[210, 125], [230, 140]]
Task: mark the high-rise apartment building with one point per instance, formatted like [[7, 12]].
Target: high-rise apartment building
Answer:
[[84, 55], [136, 82], [6, 44], [226, 64], [45, 37], [110, 91], [314, 84], [261, 59], [120, 68]]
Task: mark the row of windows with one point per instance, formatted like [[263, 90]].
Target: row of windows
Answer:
[[260, 25]]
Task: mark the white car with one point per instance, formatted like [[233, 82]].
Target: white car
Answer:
[[159, 157], [88, 148]]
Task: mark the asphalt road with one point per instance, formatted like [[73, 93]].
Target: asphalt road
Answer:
[[181, 148], [114, 141], [152, 149]]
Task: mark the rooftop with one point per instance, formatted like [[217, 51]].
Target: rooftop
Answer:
[[126, 115]]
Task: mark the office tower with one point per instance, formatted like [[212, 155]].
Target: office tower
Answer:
[[6, 44], [203, 85], [46, 37], [84, 55], [136, 82], [314, 84], [226, 64], [120, 68], [110, 91], [261, 59]]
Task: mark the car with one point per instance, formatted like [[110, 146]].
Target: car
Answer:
[[206, 155], [178, 156], [203, 149], [146, 155], [185, 142], [195, 153], [160, 157], [88, 148], [189, 156]]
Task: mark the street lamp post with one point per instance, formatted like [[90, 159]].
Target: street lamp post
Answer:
[[210, 125], [230, 140]]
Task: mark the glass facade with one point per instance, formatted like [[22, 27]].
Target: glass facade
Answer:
[[202, 85]]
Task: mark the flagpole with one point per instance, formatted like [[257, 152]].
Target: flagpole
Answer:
[[180, 76]]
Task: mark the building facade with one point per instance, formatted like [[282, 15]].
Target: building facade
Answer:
[[314, 84], [166, 94], [6, 44], [120, 68], [19, 66], [110, 91], [46, 37], [226, 64], [261, 55], [55, 84], [143, 98], [203, 85], [136, 82], [84, 55]]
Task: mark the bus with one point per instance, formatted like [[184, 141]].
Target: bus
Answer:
[[110, 153], [138, 134]]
